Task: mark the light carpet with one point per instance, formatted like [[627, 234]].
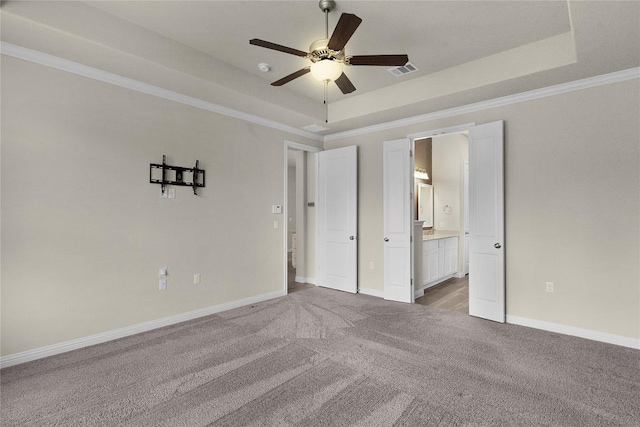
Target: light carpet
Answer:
[[325, 358]]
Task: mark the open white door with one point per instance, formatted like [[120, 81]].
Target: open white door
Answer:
[[397, 208], [486, 211], [338, 219]]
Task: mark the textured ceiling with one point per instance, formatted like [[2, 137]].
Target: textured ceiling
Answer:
[[466, 51]]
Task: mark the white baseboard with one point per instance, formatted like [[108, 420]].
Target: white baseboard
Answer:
[[51, 350], [576, 332], [418, 293], [301, 279], [372, 292]]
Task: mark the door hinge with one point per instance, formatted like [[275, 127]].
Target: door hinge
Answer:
[[411, 239], [410, 153]]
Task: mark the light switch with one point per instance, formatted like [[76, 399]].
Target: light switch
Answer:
[[162, 285], [163, 271], [275, 225], [276, 209], [196, 278]]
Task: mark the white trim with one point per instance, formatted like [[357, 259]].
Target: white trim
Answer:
[[615, 77], [63, 347], [94, 73], [418, 293], [302, 147], [372, 292], [576, 332], [441, 131], [138, 86]]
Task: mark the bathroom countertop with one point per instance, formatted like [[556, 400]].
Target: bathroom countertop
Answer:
[[440, 235]]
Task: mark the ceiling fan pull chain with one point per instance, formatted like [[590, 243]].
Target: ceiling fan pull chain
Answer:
[[326, 102]]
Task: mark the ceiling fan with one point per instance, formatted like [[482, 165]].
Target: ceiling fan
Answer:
[[327, 55]]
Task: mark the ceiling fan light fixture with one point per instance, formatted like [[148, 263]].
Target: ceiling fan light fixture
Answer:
[[326, 70]]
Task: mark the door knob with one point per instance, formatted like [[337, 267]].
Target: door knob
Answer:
[[497, 246], [386, 239], [351, 237]]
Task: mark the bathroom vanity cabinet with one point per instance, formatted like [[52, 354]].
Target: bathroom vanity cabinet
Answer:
[[439, 259]]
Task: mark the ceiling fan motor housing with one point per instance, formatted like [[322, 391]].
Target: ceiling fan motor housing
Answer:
[[319, 51]]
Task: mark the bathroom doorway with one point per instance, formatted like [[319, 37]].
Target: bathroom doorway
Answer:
[[441, 166]]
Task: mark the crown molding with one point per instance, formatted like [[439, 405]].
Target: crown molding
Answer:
[[138, 86], [618, 76], [104, 76]]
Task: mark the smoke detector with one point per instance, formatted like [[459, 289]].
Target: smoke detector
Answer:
[[264, 67]]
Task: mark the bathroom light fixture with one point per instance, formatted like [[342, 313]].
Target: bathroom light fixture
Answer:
[[420, 173]]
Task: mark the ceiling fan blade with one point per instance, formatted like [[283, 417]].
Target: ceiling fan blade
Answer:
[[388, 60], [345, 84], [291, 76], [278, 47], [347, 25]]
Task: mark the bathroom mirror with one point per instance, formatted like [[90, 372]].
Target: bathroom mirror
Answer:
[[425, 204]]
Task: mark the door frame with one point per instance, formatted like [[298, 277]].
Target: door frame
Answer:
[[436, 132], [285, 229]]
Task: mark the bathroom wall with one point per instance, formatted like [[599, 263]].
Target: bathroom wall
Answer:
[[422, 161], [449, 154], [291, 204]]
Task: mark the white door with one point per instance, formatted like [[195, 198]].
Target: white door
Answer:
[[397, 208], [337, 219], [486, 211]]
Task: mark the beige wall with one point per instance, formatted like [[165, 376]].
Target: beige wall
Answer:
[[291, 204], [310, 248], [84, 232], [572, 194]]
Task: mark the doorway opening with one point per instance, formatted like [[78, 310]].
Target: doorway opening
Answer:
[[441, 185], [299, 216]]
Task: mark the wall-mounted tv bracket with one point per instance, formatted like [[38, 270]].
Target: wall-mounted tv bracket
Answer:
[[197, 180]]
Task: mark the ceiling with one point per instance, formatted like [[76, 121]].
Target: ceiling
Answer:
[[465, 51]]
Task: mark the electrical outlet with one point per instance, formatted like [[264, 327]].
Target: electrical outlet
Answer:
[[549, 286], [162, 285], [196, 278]]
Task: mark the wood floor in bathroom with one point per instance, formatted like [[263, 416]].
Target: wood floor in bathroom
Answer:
[[452, 294]]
